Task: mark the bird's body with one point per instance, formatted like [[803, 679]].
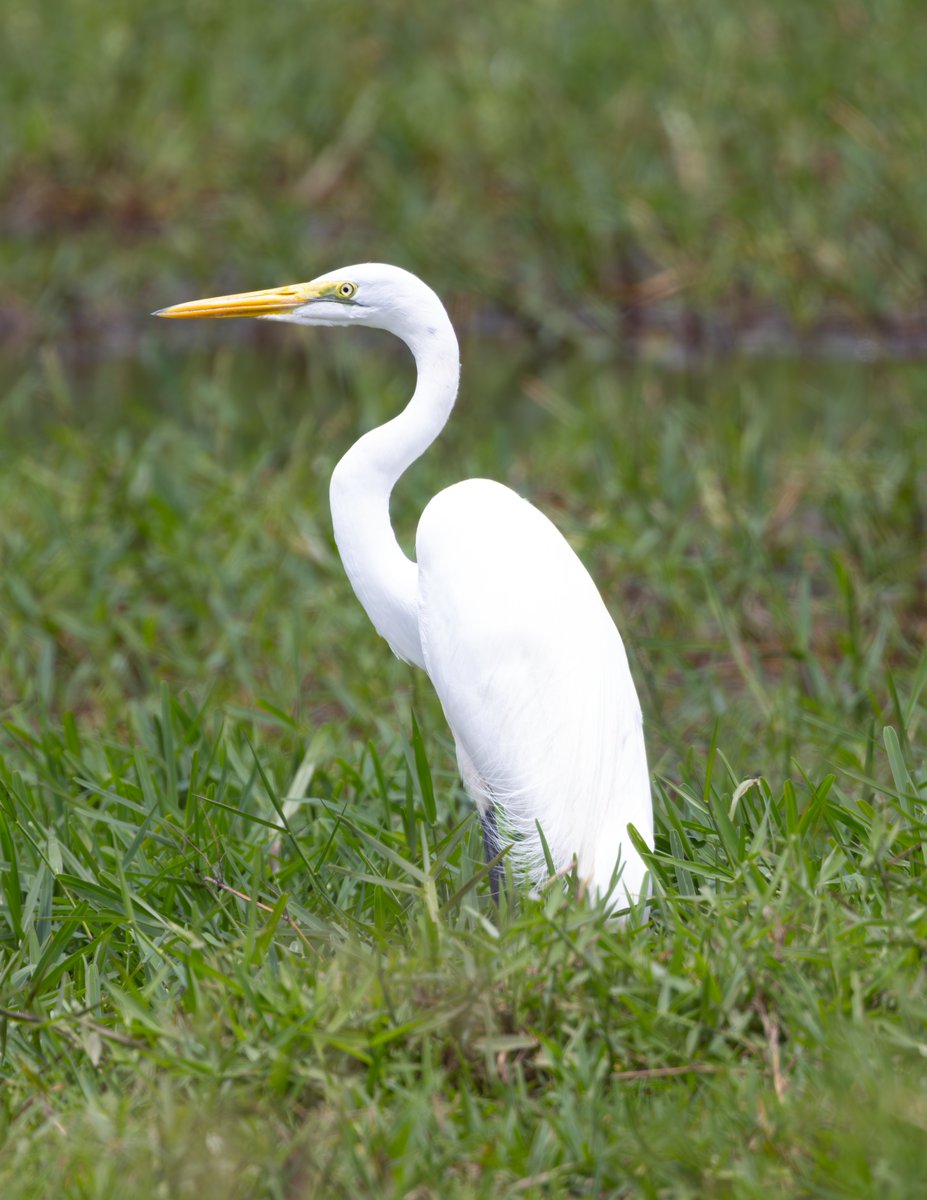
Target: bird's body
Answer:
[[534, 682], [497, 608]]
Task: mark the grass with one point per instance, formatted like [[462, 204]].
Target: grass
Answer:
[[247, 946], [238, 956], [753, 155], [389, 1030]]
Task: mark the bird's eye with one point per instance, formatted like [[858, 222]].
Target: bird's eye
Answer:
[[347, 290]]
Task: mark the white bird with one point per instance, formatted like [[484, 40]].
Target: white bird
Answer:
[[497, 608]]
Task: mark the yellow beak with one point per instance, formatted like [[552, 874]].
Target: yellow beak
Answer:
[[245, 304]]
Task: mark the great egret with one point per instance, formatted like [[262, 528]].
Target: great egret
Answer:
[[528, 665]]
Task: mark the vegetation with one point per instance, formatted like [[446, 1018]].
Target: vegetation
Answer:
[[544, 156], [247, 946]]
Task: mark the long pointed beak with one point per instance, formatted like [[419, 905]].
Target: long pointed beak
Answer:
[[245, 304]]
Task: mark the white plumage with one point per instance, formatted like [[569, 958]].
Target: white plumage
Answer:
[[528, 665], [534, 682]]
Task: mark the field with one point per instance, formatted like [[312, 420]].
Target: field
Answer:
[[247, 946]]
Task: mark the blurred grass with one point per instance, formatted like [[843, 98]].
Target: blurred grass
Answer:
[[236, 958], [542, 157], [757, 528]]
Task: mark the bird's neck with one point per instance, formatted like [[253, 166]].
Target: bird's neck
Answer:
[[383, 577]]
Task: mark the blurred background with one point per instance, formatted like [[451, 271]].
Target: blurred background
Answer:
[[553, 160], [684, 245]]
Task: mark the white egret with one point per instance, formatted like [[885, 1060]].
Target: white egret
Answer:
[[497, 609]]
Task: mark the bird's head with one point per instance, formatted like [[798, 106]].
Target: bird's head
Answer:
[[373, 294]]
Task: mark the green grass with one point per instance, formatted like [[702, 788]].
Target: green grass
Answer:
[[247, 946], [545, 157], [389, 1027], [239, 959]]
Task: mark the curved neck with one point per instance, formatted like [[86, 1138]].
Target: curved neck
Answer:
[[384, 579]]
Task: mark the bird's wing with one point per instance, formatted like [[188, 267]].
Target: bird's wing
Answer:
[[534, 681]]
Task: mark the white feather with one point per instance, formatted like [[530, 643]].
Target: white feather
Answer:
[[534, 682]]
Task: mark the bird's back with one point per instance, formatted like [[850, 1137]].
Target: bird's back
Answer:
[[534, 681]]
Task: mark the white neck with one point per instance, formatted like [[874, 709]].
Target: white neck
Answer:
[[384, 579]]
